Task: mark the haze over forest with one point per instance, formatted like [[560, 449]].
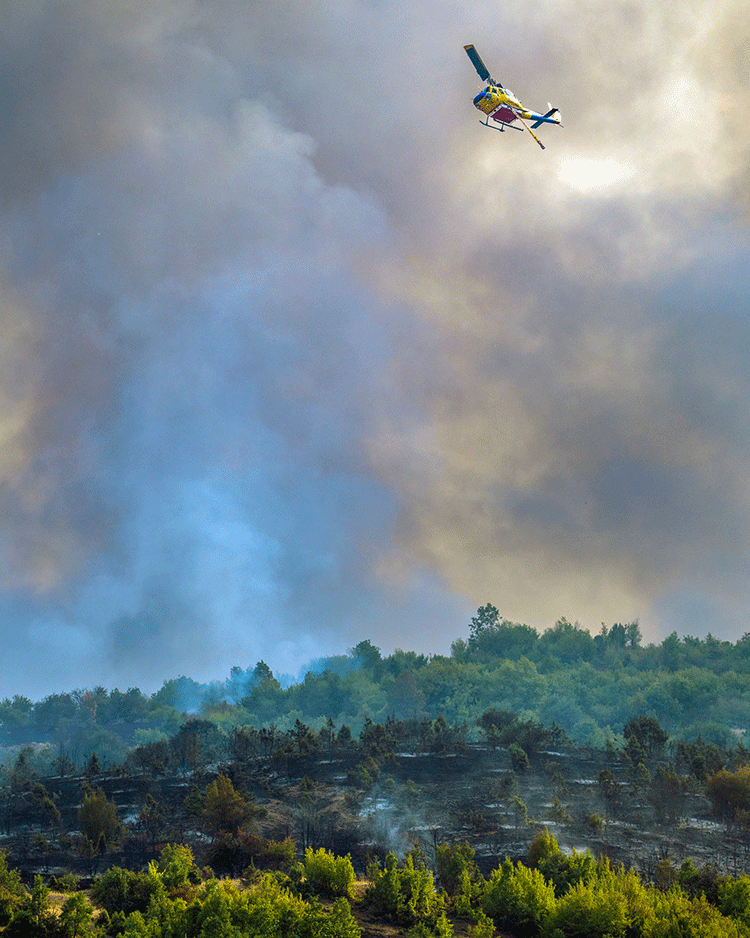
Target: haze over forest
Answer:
[[294, 353]]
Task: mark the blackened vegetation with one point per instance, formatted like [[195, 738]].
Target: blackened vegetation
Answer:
[[257, 799], [512, 735]]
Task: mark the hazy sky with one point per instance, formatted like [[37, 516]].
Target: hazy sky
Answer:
[[295, 353]]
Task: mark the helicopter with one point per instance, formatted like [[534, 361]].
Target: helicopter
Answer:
[[501, 104]]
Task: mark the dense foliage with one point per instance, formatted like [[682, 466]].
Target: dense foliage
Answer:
[[172, 898], [589, 686], [668, 719]]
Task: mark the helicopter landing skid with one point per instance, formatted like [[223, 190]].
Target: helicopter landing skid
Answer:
[[501, 128]]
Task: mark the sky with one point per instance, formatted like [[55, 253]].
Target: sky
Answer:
[[294, 353]]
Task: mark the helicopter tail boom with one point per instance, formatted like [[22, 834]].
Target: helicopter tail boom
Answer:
[[551, 117]]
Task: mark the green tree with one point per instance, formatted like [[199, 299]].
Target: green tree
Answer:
[[734, 899], [405, 697], [176, 866], [487, 618], [667, 794], [567, 642], [151, 818], [729, 792], [225, 811], [266, 698], [120, 890], [452, 862], [367, 656], [518, 758], [75, 917], [559, 869], [646, 734], [98, 821], [633, 631], [609, 789], [12, 892], [63, 764]]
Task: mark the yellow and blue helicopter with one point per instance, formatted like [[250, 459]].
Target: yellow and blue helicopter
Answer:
[[502, 106]]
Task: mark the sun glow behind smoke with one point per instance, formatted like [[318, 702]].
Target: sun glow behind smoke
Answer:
[[588, 174]]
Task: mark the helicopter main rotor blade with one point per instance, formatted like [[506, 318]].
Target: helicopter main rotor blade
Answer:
[[479, 65]]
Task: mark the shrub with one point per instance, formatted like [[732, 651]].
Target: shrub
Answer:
[[75, 916], [68, 882], [442, 929], [590, 910], [518, 899], [176, 867], [734, 899], [452, 863], [695, 882], [484, 928], [405, 895], [327, 874], [120, 890], [265, 910], [675, 914], [338, 923], [561, 870], [12, 891], [729, 792], [519, 759], [543, 847], [98, 820], [279, 854]]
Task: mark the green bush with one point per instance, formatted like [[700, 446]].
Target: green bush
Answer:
[[75, 917], [405, 895], [219, 910], [484, 927], [561, 870], [589, 910], [544, 849], [279, 854], [328, 875], [518, 899], [442, 929], [120, 890], [729, 792], [66, 883], [12, 891], [338, 923], [695, 882], [734, 899], [518, 758], [452, 863], [676, 915], [176, 867]]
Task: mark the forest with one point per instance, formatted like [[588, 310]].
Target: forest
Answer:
[[589, 686], [555, 784]]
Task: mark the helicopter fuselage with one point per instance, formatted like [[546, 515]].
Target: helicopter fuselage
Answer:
[[502, 105]]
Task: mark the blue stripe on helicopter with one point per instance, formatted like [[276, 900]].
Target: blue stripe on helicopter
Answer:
[[546, 118]]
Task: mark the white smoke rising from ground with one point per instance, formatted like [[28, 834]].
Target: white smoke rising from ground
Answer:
[[295, 354]]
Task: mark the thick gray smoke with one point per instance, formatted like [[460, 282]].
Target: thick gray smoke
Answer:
[[294, 353]]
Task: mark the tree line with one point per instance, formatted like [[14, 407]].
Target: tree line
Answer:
[[588, 685]]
